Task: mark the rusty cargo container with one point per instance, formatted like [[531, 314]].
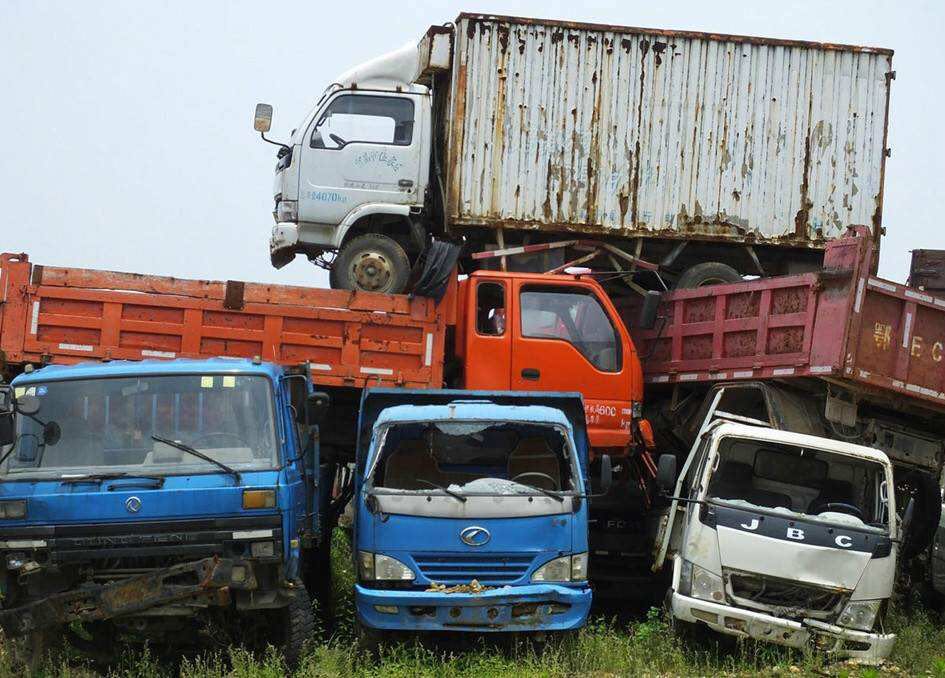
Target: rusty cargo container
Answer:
[[665, 136]]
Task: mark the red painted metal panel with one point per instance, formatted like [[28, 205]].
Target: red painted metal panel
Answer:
[[841, 323], [351, 339]]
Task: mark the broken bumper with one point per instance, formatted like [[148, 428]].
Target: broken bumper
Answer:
[[734, 621], [283, 243], [210, 578], [536, 607]]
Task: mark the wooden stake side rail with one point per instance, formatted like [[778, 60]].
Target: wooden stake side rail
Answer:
[[841, 323], [356, 339]]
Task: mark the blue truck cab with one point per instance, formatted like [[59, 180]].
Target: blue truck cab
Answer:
[[471, 512], [148, 497]]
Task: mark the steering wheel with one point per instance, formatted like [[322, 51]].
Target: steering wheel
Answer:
[[218, 434], [338, 140], [537, 474], [841, 507]]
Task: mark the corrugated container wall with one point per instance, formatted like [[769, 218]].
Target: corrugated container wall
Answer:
[[635, 132]]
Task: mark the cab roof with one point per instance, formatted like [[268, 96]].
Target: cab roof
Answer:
[[736, 430], [127, 368]]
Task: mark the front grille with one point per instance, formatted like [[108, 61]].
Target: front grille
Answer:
[[784, 594], [144, 545], [488, 568]]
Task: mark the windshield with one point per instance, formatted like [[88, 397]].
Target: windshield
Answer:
[[474, 458], [93, 426], [804, 482]]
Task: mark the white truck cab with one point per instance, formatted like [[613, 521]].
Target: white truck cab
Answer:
[[353, 177], [783, 537]]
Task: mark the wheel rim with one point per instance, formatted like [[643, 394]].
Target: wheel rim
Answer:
[[712, 281], [372, 271]]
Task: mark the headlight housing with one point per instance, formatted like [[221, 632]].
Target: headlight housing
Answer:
[[378, 567], [13, 510], [860, 614], [287, 210], [698, 582], [565, 568]]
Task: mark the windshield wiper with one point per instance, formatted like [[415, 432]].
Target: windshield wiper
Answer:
[[99, 477], [200, 455], [451, 493], [547, 493]]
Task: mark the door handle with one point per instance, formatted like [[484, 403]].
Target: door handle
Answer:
[[405, 183], [531, 374]]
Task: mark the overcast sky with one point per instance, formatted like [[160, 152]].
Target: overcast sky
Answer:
[[128, 125]]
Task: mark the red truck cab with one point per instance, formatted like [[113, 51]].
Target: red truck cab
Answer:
[[540, 332]]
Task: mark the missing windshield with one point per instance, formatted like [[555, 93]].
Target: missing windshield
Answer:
[[800, 481], [475, 458]]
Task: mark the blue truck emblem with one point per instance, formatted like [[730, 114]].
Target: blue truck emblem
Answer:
[[475, 535], [133, 504]]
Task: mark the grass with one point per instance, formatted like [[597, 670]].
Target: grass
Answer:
[[607, 646]]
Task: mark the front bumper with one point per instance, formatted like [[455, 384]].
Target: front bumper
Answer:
[[283, 243], [535, 607], [736, 621]]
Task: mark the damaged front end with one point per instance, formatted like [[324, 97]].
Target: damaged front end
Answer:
[[207, 581]]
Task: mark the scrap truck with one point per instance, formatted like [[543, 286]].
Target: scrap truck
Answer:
[[161, 501], [713, 155]]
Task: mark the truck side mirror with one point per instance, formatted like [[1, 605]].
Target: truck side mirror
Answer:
[[606, 473], [262, 121], [316, 406], [651, 305], [666, 473], [6, 415]]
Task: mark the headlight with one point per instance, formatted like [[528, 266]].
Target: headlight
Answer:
[[697, 582], [565, 568], [287, 210], [860, 614], [13, 509], [378, 567]]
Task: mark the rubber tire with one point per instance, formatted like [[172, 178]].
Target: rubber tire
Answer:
[[298, 626], [340, 277], [707, 273]]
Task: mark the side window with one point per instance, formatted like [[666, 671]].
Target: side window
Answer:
[[366, 119], [490, 309], [575, 316]]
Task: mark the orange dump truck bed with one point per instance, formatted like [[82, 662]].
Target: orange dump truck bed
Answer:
[[356, 339]]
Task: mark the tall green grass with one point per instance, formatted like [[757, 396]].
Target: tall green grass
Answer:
[[605, 647]]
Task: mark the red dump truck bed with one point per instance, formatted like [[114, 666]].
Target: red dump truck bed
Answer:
[[66, 315], [842, 323]]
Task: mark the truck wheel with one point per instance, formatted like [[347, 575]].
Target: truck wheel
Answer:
[[707, 273], [373, 263], [298, 626]]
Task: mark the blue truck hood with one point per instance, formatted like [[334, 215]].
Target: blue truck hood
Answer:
[[52, 502]]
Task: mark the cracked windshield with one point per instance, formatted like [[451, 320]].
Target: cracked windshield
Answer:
[[474, 458], [800, 482], [89, 426]]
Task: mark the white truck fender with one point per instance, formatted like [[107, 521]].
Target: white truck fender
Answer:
[[364, 210]]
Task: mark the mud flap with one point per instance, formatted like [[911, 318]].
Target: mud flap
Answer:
[[437, 264]]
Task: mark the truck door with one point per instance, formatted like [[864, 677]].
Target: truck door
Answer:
[[566, 339], [362, 148], [488, 337]]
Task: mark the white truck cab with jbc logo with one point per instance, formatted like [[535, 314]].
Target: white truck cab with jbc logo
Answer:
[[783, 537]]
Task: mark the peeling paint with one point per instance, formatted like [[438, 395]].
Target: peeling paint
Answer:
[[722, 137]]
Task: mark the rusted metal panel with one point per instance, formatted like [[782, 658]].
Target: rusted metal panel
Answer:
[[625, 131], [927, 271], [352, 339], [842, 323]]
